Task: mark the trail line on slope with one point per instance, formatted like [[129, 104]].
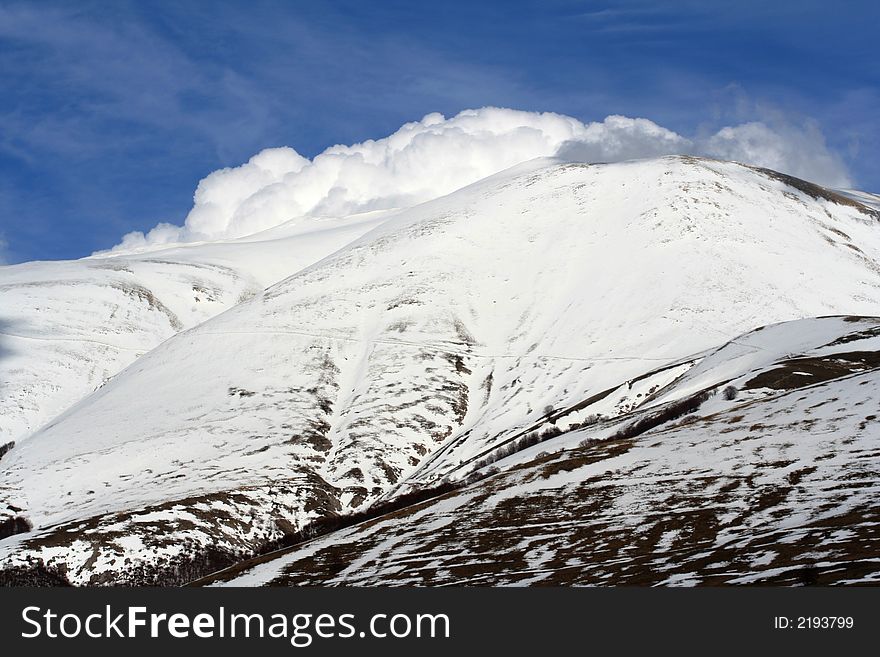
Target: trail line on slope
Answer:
[[441, 347], [105, 344]]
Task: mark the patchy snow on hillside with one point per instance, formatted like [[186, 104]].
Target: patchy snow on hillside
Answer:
[[780, 489]]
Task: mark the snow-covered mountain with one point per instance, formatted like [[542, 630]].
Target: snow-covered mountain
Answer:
[[329, 365], [67, 327]]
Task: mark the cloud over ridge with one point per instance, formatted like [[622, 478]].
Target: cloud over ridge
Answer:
[[434, 156]]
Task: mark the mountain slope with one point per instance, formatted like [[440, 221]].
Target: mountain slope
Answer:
[[778, 488], [776, 483], [67, 327], [543, 295]]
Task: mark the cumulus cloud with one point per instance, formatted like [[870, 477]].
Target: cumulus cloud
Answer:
[[428, 158], [620, 138]]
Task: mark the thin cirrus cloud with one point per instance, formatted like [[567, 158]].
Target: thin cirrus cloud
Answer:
[[432, 157]]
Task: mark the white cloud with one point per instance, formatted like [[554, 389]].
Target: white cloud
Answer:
[[800, 151], [434, 156], [620, 138]]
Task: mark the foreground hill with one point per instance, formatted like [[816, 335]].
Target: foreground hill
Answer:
[[778, 485], [539, 300]]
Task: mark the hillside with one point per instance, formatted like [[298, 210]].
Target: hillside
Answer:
[[553, 297], [67, 327], [776, 485]]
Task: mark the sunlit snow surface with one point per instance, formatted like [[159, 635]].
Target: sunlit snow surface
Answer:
[[407, 347]]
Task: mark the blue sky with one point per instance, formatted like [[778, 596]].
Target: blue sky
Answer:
[[111, 112]]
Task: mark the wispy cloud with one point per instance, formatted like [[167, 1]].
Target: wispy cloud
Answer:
[[97, 76]]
